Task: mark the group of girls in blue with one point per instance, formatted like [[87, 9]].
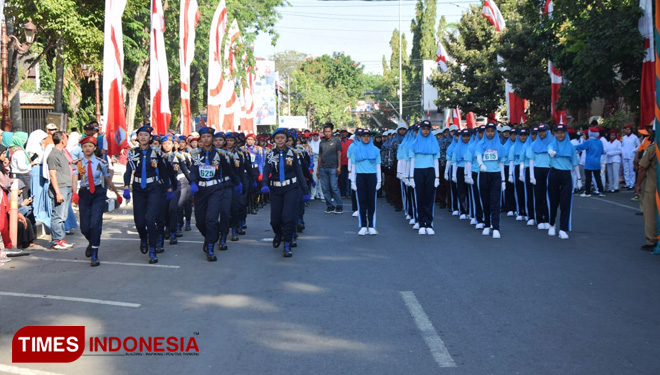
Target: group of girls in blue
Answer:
[[536, 164]]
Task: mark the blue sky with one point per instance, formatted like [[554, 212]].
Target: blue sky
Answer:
[[361, 29]]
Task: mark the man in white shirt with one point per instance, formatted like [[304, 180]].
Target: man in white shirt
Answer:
[[316, 192], [629, 145]]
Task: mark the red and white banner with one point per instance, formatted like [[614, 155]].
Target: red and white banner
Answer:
[[441, 57], [231, 109], [456, 118], [647, 94], [215, 78], [188, 20], [159, 76], [547, 8], [470, 120], [114, 112], [558, 114], [247, 122], [493, 14]]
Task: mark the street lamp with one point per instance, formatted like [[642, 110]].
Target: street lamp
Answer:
[[30, 30], [90, 74]]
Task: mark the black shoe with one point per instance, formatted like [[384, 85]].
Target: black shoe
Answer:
[[287, 250], [179, 233], [173, 240], [253, 212], [144, 247], [277, 240], [204, 247], [187, 228], [160, 250], [152, 256], [330, 210], [339, 210], [95, 262], [88, 251], [210, 256], [240, 232], [648, 247], [223, 242], [294, 243]]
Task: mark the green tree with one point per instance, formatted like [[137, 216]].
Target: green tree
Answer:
[[424, 30], [391, 73]]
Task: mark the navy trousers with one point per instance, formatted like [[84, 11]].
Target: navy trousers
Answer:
[[425, 194], [284, 210], [210, 203], [529, 189], [521, 202], [366, 197], [147, 210], [490, 184], [476, 199], [540, 194], [91, 208], [560, 193], [462, 190]]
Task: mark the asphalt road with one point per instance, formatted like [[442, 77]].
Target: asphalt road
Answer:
[[396, 303]]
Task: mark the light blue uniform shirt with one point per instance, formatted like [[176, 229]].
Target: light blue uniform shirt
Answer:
[[491, 155], [460, 160], [563, 163], [99, 170], [541, 160], [425, 160], [516, 159], [366, 166]]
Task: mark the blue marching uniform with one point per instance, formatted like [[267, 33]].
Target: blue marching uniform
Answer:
[[564, 159], [213, 180], [366, 160], [150, 183], [537, 153], [282, 178], [179, 176], [490, 154], [424, 154]]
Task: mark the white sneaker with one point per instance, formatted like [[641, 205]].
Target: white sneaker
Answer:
[[479, 226], [546, 225], [530, 222], [412, 221], [356, 214], [496, 233], [563, 235], [463, 217], [519, 218], [455, 213], [486, 231], [363, 231], [552, 231], [430, 231], [510, 214], [422, 231], [407, 217], [473, 222], [541, 226], [373, 231], [416, 226]]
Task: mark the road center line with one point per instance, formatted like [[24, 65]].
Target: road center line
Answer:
[[74, 299], [24, 371], [433, 341], [104, 262]]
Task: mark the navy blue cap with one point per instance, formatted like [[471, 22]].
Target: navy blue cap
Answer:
[[491, 125], [535, 129], [205, 130], [522, 131], [181, 138], [514, 131], [278, 131], [543, 127], [425, 123], [482, 128], [219, 135], [167, 137], [561, 127], [466, 132], [146, 128]]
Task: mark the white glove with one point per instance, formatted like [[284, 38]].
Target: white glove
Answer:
[[532, 180], [446, 176], [454, 179], [511, 180], [437, 182], [469, 180], [412, 184], [378, 185], [483, 168], [521, 177], [578, 184], [353, 186], [552, 153], [399, 175], [503, 186]]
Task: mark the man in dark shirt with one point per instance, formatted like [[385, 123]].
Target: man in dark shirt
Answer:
[[59, 171], [329, 169]]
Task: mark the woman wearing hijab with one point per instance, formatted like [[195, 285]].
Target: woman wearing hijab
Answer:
[[459, 159], [366, 179], [516, 168], [38, 184], [563, 160], [453, 193], [526, 177], [491, 158], [403, 171], [424, 166], [472, 179], [539, 167], [20, 164]]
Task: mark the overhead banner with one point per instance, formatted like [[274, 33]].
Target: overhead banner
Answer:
[[264, 93]]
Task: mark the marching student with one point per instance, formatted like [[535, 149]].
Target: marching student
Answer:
[[459, 174], [539, 167], [150, 182], [282, 177], [472, 179], [526, 177], [179, 173], [213, 181], [453, 193], [491, 159], [563, 160], [91, 196], [516, 168], [366, 179], [424, 167], [614, 151], [404, 174]]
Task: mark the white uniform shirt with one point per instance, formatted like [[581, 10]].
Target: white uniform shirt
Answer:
[[629, 143], [603, 159], [614, 152]]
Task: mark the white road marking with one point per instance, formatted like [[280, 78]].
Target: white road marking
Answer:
[[74, 299], [433, 341], [137, 240], [616, 204], [104, 262], [24, 371]]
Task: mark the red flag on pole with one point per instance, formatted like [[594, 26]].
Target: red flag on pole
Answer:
[[441, 57], [114, 112], [493, 14], [456, 118], [188, 19], [231, 108], [215, 78], [159, 76], [470, 120]]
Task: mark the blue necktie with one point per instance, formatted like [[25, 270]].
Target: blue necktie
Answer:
[[207, 158], [281, 167], [145, 160]]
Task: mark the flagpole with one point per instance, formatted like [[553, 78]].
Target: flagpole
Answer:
[[400, 71]]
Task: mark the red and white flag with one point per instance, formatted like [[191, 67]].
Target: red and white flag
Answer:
[[441, 57], [247, 125], [558, 114], [188, 19], [547, 8], [493, 14], [114, 112], [647, 94], [456, 118], [231, 109], [215, 78], [159, 76]]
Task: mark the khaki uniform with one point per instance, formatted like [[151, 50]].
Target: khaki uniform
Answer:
[[649, 187]]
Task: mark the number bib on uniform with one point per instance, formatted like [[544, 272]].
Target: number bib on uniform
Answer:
[[206, 171], [490, 155]]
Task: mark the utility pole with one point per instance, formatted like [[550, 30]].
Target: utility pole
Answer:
[[400, 71]]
